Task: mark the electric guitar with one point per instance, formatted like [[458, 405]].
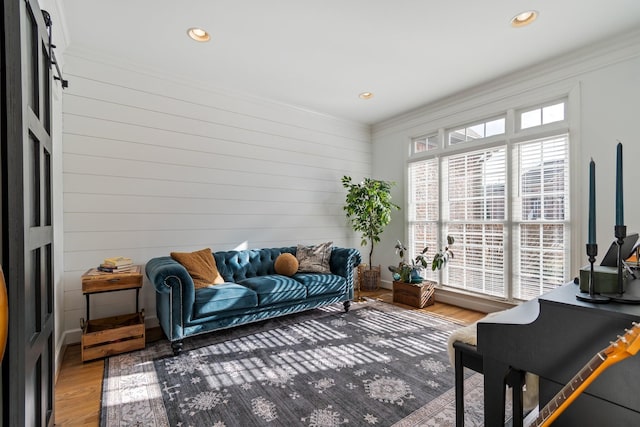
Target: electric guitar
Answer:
[[625, 346]]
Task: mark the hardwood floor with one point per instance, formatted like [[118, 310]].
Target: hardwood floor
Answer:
[[79, 386], [78, 390]]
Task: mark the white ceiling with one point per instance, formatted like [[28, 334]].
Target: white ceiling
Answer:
[[320, 54]]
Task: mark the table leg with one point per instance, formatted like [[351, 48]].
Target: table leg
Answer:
[[87, 295]]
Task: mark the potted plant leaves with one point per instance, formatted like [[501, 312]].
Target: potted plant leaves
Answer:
[[368, 207], [409, 272]]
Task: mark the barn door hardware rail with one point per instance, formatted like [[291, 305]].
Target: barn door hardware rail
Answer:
[[52, 55]]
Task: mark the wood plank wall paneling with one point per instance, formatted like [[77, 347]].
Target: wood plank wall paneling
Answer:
[[152, 165]]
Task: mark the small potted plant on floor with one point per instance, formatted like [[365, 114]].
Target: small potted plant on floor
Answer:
[[410, 272], [368, 206]]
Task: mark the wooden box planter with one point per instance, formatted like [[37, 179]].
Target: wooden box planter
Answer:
[[418, 295]]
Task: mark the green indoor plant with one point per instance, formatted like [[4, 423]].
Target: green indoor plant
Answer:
[[409, 272], [368, 206]]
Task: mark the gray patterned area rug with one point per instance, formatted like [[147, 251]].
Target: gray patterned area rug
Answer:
[[378, 365]]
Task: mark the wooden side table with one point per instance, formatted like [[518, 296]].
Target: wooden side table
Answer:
[[111, 335], [418, 295]]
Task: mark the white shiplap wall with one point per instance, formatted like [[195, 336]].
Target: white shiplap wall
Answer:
[[153, 165]]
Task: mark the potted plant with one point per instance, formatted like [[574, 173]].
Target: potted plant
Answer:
[[410, 272], [368, 206]]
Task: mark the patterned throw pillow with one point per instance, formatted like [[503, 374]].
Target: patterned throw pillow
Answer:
[[314, 259], [201, 266]]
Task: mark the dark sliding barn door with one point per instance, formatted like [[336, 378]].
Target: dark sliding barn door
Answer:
[[27, 234]]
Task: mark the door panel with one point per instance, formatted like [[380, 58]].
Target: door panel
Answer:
[[27, 232]]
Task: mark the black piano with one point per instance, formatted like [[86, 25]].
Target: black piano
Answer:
[[554, 336]]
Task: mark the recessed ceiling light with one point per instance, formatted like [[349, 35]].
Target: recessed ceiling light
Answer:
[[365, 95], [198, 34], [524, 18]]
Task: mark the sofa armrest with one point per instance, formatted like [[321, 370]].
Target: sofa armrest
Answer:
[[166, 273], [175, 295], [343, 261]]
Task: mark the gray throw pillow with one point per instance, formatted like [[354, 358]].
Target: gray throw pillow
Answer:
[[314, 259]]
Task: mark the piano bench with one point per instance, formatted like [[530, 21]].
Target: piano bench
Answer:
[[467, 356]]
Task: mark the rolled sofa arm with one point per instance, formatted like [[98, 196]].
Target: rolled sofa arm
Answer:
[[343, 261], [165, 273], [175, 294]]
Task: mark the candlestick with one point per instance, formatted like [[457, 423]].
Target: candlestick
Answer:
[[620, 232], [619, 192], [592, 296], [592, 202]]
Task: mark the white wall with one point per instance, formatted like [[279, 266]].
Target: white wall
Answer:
[[604, 83], [153, 165]]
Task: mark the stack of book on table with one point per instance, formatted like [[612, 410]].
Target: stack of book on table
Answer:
[[118, 264]]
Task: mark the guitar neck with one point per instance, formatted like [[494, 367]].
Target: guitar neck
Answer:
[[570, 392], [624, 347]]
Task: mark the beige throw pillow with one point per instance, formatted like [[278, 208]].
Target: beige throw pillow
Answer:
[[201, 266], [314, 259]]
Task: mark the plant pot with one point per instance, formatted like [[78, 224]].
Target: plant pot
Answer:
[[370, 278], [418, 295]]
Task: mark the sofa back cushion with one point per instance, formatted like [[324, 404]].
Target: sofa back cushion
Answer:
[[235, 266]]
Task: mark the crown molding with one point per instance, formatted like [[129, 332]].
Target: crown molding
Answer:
[[557, 70]]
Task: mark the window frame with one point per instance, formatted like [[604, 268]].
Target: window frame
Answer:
[[541, 107], [513, 135], [449, 130]]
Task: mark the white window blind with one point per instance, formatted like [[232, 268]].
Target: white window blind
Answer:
[[541, 213], [424, 209], [474, 213]]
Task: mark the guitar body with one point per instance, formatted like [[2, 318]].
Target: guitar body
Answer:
[[590, 409]]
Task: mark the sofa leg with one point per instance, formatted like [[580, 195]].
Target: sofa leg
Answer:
[[176, 346], [347, 304]]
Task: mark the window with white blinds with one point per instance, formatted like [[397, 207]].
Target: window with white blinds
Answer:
[[540, 213], [507, 206], [424, 209], [474, 213]]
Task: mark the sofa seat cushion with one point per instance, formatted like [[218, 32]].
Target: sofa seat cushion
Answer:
[[224, 297], [322, 284], [275, 288]]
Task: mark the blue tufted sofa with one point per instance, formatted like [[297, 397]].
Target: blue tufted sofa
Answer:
[[252, 291]]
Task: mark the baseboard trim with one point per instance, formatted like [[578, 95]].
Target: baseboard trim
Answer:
[[59, 356], [471, 302]]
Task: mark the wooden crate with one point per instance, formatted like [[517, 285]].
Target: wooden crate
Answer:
[[417, 295], [112, 335]]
